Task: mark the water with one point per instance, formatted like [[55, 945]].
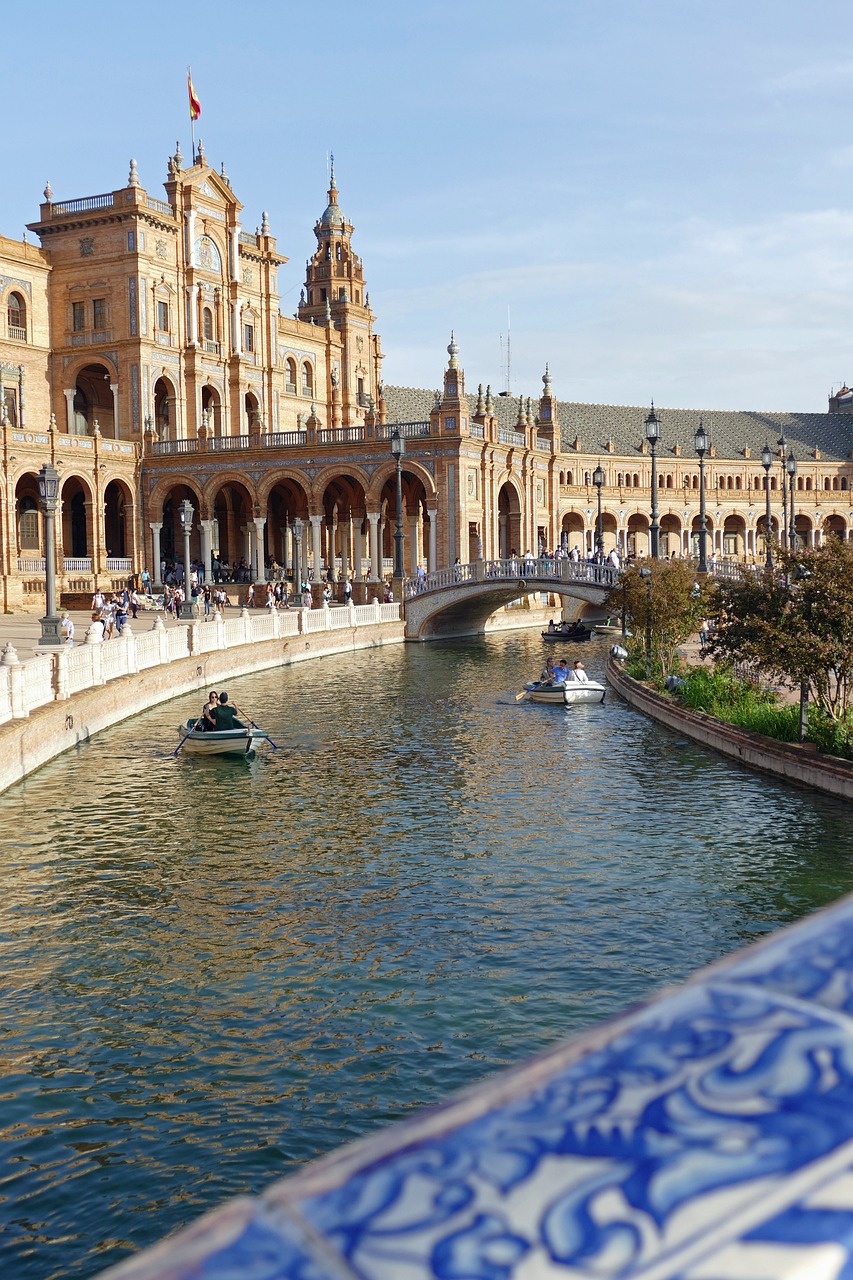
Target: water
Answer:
[[216, 970]]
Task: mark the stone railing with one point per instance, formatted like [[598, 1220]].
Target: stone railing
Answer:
[[56, 676], [515, 568]]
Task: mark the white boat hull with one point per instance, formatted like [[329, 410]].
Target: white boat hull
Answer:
[[226, 742], [573, 693]]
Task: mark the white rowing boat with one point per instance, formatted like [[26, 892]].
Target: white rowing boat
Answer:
[[569, 694], [216, 742]]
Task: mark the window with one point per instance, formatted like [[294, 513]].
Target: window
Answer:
[[450, 424], [163, 316], [322, 295], [28, 525], [16, 316], [338, 252], [307, 379], [290, 376], [131, 241], [207, 324], [9, 404], [78, 316], [248, 338], [99, 313], [342, 295]]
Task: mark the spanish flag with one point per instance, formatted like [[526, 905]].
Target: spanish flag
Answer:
[[195, 105]]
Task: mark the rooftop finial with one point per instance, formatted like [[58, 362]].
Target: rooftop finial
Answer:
[[48, 191], [546, 381], [133, 176], [199, 155], [332, 170], [328, 312], [453, 351], [265, 223], [178, 158], [224, 176]]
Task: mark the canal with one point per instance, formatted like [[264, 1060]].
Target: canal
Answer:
[[214, 971]]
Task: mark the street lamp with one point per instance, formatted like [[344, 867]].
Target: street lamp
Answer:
[[701, 443], [653, 435], [791, 468], [767, 463], [48, 488], [598, 481], [783, 444], [398, 448], [186, 511], [298, 528]]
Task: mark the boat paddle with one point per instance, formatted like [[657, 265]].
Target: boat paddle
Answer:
[[267, 738], [519, 696], [187, 734]]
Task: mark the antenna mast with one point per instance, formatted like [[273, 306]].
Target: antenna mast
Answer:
[[508, 353]]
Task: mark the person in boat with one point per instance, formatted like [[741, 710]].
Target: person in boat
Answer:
[[225, 715], [578, 673], [208, 712], [547, 676], [551, 627], [561, 672]]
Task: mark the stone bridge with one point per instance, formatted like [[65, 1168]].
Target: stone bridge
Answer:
[[457, 601]]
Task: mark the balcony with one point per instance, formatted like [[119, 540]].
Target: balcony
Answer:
[[284, 439], [340, 435], [170, 448], [514, 438], [16, 333], [212, 348], [227, 444], [116, 564], [77, 564], [81, 206], [409, 430], [161, 206]]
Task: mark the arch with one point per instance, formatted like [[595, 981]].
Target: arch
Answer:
[[835, 526], [165, 409], [162, 490], [28, 524], [669, 536], [16, 316], [343, 502], [290, 375], [509, 512], [734, 536], [207, 256], [637, 535], [760, 534], [76, 520], [694, 535], [231, 504], [307, 378], [373, 487], [93, 401], [118, 518], [252, 407], [211, 409], [804, 530]]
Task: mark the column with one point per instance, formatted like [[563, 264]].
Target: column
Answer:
[[503, 549], [237, 337], [247, 531], [69, 394], [235, 253], [303, 552], [193, 317], [344, 532], [358, 547], [375, 565], [260, 568], [316, 549], [190, 219], [114, 390], [155, 551], [433, 539], [206, 543], [414, 521]]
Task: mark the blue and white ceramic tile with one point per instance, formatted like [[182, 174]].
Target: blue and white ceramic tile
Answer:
[[707, 1136]]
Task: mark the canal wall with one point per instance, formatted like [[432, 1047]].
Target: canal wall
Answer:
[[57, 700], [791, 761]]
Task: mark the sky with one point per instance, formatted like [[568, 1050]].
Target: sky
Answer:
[[653, 195]]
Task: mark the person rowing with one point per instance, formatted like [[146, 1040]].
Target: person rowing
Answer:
[[225, 716]]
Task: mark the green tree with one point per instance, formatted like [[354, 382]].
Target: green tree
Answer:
[[664, 601], [795, 623]]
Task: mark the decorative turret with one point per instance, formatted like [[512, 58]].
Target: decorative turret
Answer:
[[454, 406], [548, 416]]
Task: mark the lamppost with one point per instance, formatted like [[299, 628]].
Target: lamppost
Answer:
[[701, 443], [598, 481], [398, 448], [791, 468], [653, 435], [783, 444], [298, 528], [48, 487], [189, 608], [767, 463]]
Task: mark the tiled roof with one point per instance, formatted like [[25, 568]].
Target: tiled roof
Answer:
[[730, 431]]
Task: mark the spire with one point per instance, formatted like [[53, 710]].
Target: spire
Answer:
[[521, 420], [178, 158], [490, 407], [546, 382], [529, 413], [481, 403], [224, 176], [453, 351]]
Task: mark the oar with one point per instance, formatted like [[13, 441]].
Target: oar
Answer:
[[519, 696], [186, 735], [267, 738]]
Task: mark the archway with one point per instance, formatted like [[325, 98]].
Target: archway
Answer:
[[75, 519], [509, 522], [165, 410], [638, 535], [761, 535], [118, 520], [233, 531], [253, 411], [211, 410], [572, 532], [286, 502], [93, 402], [27, 518], [803, 529], [695, 529], [669, 538], [834, 527], [734, 537]]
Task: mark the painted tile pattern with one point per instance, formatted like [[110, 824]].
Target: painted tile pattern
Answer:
[[705, 1136]]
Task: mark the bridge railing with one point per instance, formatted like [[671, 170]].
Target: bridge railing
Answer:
[[514, 569]]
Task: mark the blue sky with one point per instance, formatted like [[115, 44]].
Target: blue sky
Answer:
[[659, 191]]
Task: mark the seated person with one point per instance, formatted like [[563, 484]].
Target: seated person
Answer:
[[551, 627], [579, 674], [225, 715], [561, 672], [208, 711]]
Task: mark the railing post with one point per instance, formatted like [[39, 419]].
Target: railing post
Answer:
[[217, 622], [12, 663], [95, 639], [60, 674], [246, 619], [128, 639], [193, 637], [300, 613], [163, 641]]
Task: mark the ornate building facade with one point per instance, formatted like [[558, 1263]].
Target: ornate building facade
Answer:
[[143, 352]]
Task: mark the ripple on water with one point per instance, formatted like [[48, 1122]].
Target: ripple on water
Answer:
[[215, 970]]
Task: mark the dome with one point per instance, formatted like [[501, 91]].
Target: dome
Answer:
[[333, 216]]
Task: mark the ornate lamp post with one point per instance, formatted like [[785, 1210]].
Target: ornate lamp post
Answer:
[[48, 487], [653, 435], [767, 463], [598, 481], [186, 511], [701, 443], [791, 468], [298, 528], [398, 448], [783, 444]]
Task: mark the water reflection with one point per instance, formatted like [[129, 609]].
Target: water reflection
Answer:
[[216, 969]]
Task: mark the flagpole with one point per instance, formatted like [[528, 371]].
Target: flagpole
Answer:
[[192, 117]]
